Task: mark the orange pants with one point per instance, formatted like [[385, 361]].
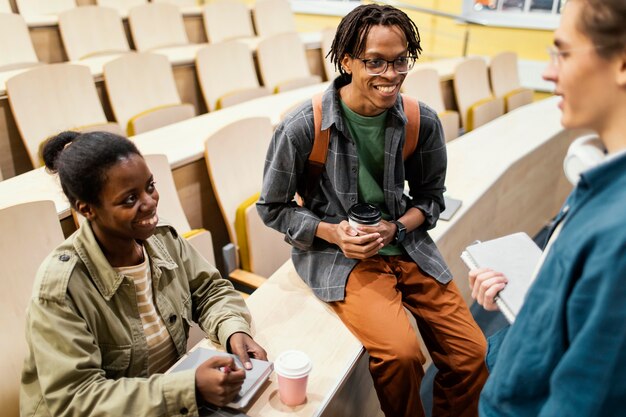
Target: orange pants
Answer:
[[377, 290]]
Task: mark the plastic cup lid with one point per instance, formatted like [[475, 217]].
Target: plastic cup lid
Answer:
[[364, 213], [293, 364]]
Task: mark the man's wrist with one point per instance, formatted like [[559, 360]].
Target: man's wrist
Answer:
[[400, 233], [326, 231]]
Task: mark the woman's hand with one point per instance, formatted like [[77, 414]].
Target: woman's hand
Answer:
[[218, 380], [485, 284], [245, 347]]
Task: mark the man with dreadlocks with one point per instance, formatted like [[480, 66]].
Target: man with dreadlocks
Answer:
[[369, 275]]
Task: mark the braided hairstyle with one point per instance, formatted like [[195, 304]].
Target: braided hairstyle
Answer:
[[82, 159], [353, 29]]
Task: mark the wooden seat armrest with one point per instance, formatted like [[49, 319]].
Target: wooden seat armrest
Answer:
[[247, 278], [239, 96]]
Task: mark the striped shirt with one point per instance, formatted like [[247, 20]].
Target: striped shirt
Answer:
[[161, 350]]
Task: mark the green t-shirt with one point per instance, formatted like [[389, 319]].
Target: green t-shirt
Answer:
[[369, 135]]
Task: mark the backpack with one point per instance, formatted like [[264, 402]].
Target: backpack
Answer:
[[317, 158]]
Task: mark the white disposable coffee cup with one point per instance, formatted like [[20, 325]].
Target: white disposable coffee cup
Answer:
[[292, 368]]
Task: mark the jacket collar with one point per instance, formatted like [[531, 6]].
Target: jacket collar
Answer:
[[106, 279]]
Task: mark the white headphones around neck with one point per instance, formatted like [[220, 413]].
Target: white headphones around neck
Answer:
[[584, 153]]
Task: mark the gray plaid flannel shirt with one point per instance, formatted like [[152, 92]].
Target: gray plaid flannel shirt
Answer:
[[320, 264]]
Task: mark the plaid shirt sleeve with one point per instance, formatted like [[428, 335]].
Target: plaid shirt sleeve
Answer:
[[284, 164]]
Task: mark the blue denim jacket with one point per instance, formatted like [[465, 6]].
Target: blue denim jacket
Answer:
[[565, 355]]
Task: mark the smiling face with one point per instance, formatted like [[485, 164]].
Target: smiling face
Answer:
[[370, 95], [128, 201], [585, 81]]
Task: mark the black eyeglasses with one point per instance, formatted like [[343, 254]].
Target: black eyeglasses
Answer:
[[378, 66]]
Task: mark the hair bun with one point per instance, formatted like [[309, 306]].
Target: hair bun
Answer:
[[55, 146]]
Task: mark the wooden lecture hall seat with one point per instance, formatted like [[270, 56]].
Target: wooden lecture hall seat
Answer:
[[227, 75], [30, 231], [91, 31], [235, 156], [69, 102], [425, 85], [157, 25], [143, 94], [29, 8], [272, 17], [5, 6], [171, 210], [278, 73], [122, 6], [226, 20], [504, 76], [179, 3], [16, 47], [328, 35], [476, 103]]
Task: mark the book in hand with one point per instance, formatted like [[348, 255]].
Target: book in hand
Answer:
[[255, 377], [517, 257]]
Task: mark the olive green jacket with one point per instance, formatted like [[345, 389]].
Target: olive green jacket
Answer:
[[88, 355]]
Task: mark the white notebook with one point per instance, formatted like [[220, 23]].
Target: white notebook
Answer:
[[255, 377], [516, 256]]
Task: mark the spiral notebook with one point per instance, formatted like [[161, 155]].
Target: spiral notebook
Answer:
[[517, 257], [255, 377]]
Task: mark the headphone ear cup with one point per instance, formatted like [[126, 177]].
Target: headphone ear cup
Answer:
[[584, 153]]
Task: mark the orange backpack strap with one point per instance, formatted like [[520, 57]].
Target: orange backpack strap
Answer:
[[319, 151], [322, 137], [412, 129]]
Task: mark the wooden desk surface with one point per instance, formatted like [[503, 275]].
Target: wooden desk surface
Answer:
[[286, 315], [95, 65], [33, 186], [501, 142]]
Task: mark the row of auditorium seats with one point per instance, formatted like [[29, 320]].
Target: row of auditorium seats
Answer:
[[482, 94], [141, 90], [143, 96], [223, 19], [97, 32]]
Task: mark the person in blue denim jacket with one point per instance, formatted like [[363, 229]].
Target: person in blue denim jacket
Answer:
[[565, 354]]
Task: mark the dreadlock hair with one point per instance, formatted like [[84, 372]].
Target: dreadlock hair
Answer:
[[355, 26]]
